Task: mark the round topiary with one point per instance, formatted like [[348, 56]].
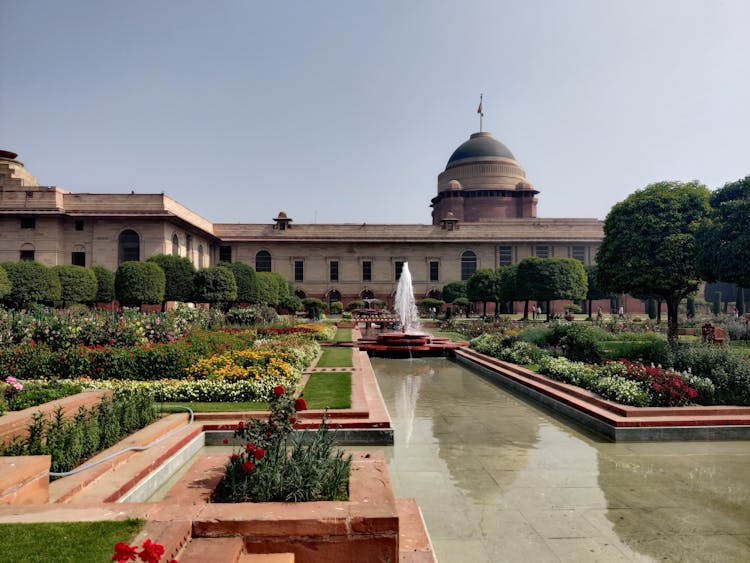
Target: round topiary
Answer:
[[105, 280], [179, 274], [30, 282], [137, 283], [77, 284]]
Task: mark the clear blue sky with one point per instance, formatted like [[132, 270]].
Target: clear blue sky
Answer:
[[346, 111]]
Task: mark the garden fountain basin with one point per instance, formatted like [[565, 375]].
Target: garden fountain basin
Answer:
[[403, 344]]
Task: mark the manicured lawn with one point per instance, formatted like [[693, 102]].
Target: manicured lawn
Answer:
[[223, 407], [456, 337], [335, 357], [68, 542], [329, 390], [343, 335]]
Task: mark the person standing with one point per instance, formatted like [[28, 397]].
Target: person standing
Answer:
[[621, 312]]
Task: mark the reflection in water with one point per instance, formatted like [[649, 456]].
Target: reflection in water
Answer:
[[500, 480]]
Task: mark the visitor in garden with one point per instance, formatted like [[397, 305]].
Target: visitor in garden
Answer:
[[621, 312], [599, 314]]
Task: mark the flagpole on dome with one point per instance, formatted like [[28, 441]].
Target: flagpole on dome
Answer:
[[480, 112]]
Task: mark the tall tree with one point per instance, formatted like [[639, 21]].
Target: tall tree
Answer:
[[649, 244], [454, 290], [483, 286], [724, 242], [547, 279], [594, 292], [511, 290]]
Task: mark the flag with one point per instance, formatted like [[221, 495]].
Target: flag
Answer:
[[479, 109]]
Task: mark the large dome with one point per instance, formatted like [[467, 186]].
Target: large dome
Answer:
[[480, 146]]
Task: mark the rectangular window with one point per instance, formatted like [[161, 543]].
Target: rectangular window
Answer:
[[541, 251], [78, 259], [28, 222], [334, 270], [579, 253], [399, 268], [366, 270], [79, 225], [299, 270], [434, 271], [225, 254], [27, 255], [505, 255]]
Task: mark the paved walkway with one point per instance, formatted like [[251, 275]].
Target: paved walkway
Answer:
[[501, 480]]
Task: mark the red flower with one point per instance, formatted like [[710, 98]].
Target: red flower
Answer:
[[269, 434], [278, 390], [111, 341], [226, 441], [260, 453], [235, 456], [241, 424], [300, 404], [151, 552], [250, 447], [293, 420], [248, 466], [123, 552]]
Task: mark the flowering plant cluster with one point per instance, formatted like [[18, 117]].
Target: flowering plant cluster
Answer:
[[87, 327], [151, 552], [266, 469], [667, 388]]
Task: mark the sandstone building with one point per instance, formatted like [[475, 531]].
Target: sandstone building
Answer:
[[484, 216]]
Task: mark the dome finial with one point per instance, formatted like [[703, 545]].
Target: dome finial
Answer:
[[480, 111]]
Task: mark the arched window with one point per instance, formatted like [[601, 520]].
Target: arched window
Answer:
[[175, 245], [333, 296], [468, 264], [200, 255], [189, 247], [367, 294], [128, 247], [27, 252], [300, 293], [263, 261]]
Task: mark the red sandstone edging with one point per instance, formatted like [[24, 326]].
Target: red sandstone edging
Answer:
[[612, 413]]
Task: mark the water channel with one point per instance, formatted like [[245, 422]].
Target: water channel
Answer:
[[499, 479]]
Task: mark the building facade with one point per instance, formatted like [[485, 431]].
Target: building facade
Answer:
[[484, 216]]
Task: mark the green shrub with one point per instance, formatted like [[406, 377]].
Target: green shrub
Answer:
[[562, 369], [729, 372], [215, 285], [291, 303], [577, 342], [245, 278], [179, 274], [105, 280], [257, 315], [137, 283], [39, 392], [648, 348], [4, 283], [30, 282], [336, 307], [356, 304], [314, 307], [77, 284]]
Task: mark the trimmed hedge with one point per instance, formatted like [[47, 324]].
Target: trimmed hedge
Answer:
[[137, 283]]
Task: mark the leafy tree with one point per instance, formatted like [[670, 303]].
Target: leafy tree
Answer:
[[546, 279], [77, 284], [428, 303], [723, 244], [462, 303], [314, 307], [215, 285], [291, 303], [594, 293], [137, 283], [105, 281], [247, 283], [511, 290], [178, 273], [356, 304], [483, 286], [649, 245], [4, 283], [268, 288], [30, 282], [454, 290]]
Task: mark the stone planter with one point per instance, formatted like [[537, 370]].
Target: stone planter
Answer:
[[364, 529]]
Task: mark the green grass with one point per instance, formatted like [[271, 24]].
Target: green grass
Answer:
[[64, 542], [329, 390], [455, 336], [343, 335], [334, 357], [223, 407]]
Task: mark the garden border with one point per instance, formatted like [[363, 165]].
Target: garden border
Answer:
[[617, 422]]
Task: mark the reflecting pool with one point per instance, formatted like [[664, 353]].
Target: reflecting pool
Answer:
[[499, 479]]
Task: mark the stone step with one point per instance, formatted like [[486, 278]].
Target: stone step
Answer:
[[414, 545], [212, 550], [267, 558]]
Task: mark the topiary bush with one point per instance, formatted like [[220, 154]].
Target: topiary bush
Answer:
[[77, 284], [105, 280], [30, 282], [314, 307], [215, 285], [578, 343], [4, 283], [246, 280], [137, 283], [251, 316], [179, 274]]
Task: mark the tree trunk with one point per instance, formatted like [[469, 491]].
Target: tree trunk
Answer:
[[673, 303], [549, 309], [526, 310], [588, 306], [484, 309]]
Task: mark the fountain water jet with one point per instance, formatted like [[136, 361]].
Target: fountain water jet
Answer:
[[410, 341]]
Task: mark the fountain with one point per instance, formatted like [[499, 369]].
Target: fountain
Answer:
[[409, 341]]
